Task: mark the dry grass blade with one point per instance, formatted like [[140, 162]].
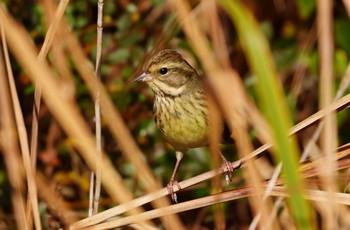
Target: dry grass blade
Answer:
[[347, 6], [50, 35], [339, 104], [315, 195], [238, 122], [9, 145], [32, 203], [96, 194], [37, 94], [176, 208], [328, 139]]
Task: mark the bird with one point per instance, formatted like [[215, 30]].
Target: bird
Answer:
[[180, 106]]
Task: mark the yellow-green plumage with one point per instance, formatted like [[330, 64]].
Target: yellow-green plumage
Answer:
[[182, 120]]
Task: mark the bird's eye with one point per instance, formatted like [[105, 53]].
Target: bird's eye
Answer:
[[163, 71]]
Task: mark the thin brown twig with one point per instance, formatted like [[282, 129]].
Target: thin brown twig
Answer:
[[98, 132]]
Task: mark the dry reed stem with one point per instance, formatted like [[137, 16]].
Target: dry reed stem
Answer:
[[278, 191], [216, 129], [59, 60], [147, 198], [328, 137], [277, 203], [175, 208], [9, 143], [52, 29], [65, 111], [347, 6], [209, 12], [260, 206], [96, 194], [50, 35], [32, 204]]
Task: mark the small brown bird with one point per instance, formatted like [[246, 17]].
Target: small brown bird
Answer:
[[180, 106]]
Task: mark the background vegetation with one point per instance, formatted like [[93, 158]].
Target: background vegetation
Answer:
[[131, 31]]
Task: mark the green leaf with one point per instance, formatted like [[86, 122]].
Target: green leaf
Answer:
[[342, 34], [120, 55], [341, 62], [306, 8], [131, 39]]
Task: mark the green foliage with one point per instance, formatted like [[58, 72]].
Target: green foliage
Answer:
[[342, 33], [119, 56], [306, 8]]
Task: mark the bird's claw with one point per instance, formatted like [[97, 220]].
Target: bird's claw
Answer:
[[170, 188], [228, 169]]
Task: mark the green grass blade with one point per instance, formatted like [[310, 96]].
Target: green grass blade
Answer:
[[273, 103]]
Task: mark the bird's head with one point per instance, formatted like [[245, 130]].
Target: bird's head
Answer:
[[168, 73]]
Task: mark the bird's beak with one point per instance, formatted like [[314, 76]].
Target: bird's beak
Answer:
[[144, 77]]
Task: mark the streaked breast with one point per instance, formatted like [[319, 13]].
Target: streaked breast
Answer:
[[183, 120]]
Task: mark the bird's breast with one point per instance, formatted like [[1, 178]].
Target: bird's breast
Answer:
[[183, 120]]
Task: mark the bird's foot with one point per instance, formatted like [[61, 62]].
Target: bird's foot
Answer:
[[170, 188], [228, 169]]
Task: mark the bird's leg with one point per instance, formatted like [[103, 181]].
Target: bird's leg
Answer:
[[227, 168], [172, 181]]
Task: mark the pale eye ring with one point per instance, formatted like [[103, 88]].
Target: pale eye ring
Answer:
[[163, 70]]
